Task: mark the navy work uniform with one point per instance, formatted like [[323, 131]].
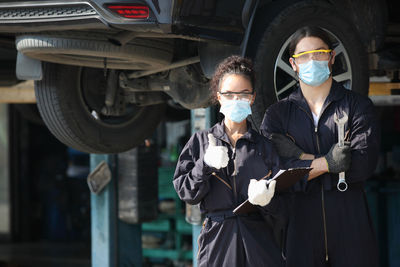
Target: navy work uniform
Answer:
[[226, 239], [328, 227]]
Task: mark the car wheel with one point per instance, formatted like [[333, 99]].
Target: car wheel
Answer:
[[70, 99], [275, 77]]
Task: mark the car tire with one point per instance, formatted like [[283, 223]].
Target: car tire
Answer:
[[96, 51], [69, 116], [271, 58]]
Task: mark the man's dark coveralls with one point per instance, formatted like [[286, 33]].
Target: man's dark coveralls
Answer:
[[323, 222], [227, 240]]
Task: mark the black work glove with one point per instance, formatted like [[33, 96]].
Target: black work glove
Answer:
[[285, 147], [339, 158]]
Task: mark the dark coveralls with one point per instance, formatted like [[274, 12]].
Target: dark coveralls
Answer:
[[225, 239], [327, 227]]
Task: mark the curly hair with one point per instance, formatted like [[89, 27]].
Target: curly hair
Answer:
[[231, 65]]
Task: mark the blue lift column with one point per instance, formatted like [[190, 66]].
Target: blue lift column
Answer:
[[201, 119], [114, 242]]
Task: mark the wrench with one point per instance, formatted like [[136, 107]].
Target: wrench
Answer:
[[341, 185]]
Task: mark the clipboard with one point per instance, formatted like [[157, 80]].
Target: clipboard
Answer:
[[284, 180]]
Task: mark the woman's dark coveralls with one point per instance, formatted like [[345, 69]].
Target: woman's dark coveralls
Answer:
[[225, 239], [323, 222]]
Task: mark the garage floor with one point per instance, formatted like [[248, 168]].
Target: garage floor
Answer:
[[45, 254]]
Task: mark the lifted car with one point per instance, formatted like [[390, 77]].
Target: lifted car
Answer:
[[104, 71]]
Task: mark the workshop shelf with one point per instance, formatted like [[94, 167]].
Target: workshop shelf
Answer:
[[171, 224], [162, 225], [183, 227]]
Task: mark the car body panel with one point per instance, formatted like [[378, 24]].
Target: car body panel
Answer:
[[166, 17]]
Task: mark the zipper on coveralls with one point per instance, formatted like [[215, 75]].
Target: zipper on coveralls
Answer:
[[234, 170], [322, 185], [234, 173], [323, 204]]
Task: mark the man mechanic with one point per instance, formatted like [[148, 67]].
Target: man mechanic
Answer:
[[326, 226]]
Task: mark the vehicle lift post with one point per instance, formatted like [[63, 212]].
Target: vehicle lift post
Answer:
[[114, 242]]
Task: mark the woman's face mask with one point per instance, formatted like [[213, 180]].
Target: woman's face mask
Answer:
[[314, 72], [235, 110]]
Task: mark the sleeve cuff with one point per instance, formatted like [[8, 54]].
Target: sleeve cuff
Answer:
[[202, 171], [301, 163]]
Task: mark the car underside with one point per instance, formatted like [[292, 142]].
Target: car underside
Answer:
[[105, 71]]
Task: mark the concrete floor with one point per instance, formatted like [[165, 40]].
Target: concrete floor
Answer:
[[45, 254]]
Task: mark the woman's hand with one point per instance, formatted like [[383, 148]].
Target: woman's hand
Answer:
[[261, 192], [216, 156]]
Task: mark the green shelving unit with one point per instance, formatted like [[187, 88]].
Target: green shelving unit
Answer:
[[172, 224], [160, 225]]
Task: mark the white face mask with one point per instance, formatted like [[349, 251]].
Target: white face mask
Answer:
[[235, 110], [314, 72]]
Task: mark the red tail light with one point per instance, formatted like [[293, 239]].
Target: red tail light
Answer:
[[131, 11]]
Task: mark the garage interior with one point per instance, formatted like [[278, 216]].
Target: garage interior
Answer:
[[49, 217]]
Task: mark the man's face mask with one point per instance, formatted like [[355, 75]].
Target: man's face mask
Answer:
[[314, 72], [313, 66], [236, 110]]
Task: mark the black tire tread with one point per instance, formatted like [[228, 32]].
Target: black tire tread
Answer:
[[66, 122], [49, 106]]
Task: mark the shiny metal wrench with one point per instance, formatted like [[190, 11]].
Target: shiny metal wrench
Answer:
[[341, 185]]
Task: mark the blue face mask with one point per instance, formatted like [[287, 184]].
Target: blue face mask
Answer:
[[314, 72], [236, 110]]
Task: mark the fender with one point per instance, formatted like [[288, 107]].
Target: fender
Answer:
[[213, 53], [250, 6], [28, 68]]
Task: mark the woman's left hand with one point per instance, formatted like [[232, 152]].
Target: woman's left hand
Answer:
[[261, 192]]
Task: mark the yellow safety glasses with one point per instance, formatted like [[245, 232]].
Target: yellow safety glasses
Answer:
[[322, 51], [319, 54]]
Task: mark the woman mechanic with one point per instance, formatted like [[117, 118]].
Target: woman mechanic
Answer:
[[215, 168], [327, 227]]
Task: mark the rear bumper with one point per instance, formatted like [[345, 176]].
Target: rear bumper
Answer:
[[35, 16]]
